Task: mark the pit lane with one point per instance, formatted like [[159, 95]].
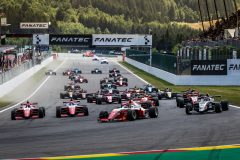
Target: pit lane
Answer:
[[84, 135]]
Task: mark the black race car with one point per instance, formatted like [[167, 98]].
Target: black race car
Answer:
[[50, 72], [96, 71]]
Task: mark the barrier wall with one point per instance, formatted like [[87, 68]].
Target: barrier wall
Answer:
[[230, 80], [13, 83]]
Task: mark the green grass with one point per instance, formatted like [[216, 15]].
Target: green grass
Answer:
[[230, 93]]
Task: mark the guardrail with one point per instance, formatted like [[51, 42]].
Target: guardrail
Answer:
[[13, 72]]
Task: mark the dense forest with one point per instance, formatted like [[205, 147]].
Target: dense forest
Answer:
[[161, 17]]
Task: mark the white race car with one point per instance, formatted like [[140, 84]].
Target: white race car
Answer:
[[206, 104], [104, 61]]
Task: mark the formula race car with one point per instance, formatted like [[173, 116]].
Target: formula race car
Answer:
[[104, 61], [92, 97], [206, 104], [95, 59], [80, 79], [50, 72], [70, 72], [79, 94], [71, 86], [108, 98], [71, 108], [107, 80], [120, 78], [121, 83], [28, 110], [114, 70], [76, 71], [146, 99], [114, 74], [129, 111], [150, 89], [166, 93], [108, 86], [67, 94], [191, 97], [96, 71], [67, 72]]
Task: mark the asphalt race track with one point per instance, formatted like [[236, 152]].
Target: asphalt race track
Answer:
[[84, 135]]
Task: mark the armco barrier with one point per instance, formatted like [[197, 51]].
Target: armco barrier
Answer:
[[13, 83], [230, 80]]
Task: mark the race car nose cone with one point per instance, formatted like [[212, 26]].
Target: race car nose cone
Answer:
[[27, 113], [72, 111]]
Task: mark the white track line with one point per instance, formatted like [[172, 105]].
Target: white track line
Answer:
[[33, 92], [233, 106]]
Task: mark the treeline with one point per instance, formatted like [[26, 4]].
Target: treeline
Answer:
[[108, 16]]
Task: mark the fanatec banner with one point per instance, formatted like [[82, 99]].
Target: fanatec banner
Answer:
[[121, 40], [34, 25], [207, 67], [78, 40], [233, 66]]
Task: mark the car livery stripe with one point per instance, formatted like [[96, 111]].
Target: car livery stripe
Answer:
[[230, 151]]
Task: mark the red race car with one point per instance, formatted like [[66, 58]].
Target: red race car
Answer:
[[27, 111], [71, 109], [80, 79], [120, 82], [128, 112]]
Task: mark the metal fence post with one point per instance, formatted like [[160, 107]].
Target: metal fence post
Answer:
[[150, 56]]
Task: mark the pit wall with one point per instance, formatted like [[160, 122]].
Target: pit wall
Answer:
[[9, 86], [187, 80]]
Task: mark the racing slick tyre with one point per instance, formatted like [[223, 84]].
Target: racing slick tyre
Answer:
[[13, 114], [153, 112], [89, 99], [58, 112], [156, 101], [103, 114], [40, 112], [98, 101], [225, 105], [180, 102], [86, 113], [188, 109], [44, 112], [218, 108], [159, 97], [131, 115], [119, 100]]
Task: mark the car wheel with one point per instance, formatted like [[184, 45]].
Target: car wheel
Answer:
[[86, 113], [58, 112], [153, 112], [132, 115], [103, 114], [40, 113], [188, 108], [225, 105], [13, 114], [218, 108]]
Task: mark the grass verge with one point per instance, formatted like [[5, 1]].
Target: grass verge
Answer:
[[230, 93]]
